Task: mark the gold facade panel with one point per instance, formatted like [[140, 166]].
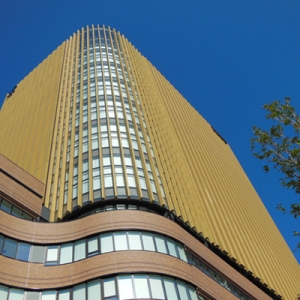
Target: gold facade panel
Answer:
[[28, 115], [207, 185]]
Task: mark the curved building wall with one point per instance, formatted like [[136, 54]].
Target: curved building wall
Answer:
[[101, 148], [39, 277]]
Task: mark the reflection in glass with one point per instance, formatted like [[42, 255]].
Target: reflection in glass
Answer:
[[66, 253], [31, 295], [3, 292], [49, 295], [181, 252], [134, 240], [10, 248], [171, 247], [93, 244], [1, 242], [120, 241], [94, 290], [16, 212], [148, 241], [79, 292], [170, 289], [125, 287], [23, 251], [182, 290], [106, 243], [156, 287], [141, 286], [79, 250], [38, 254], [16, 294], [64, 295], [160, 244], [109, 287], [52, 253], [5, 206], [193, 294], [129, 286]]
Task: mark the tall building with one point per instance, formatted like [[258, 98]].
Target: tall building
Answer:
[[114, 187]]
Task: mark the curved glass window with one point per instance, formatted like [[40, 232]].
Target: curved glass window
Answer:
[[123, 287], [94, 245], [13, 210], [108, 242]]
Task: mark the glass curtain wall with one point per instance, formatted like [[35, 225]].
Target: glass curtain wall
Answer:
[[102, 149]]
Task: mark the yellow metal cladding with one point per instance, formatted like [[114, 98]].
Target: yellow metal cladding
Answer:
[[101, 147], [27, 117], [206, 185]]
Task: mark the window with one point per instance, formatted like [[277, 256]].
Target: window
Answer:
[[182, 290], [48, 295], [23, 252], [120, 241], [32, 295], [108, 181], [10, 248], [131, 180], [1, 242], [79, 292], [137, 286], [16, 212], [134, 240], [93, 247], [170, 289], [79, 250], [16, 294], [85, 186], [5, 206], [96, 183], [106, 243], [172, 248], [120, 180], [52, 255], [141, 286], [94, 290], [64, 295], [3, 292], [109, 287], [38, 254], [181, 252], [156, 287], [193, 294], [160, 244], [66, 253], [125, 287], [148, 241]]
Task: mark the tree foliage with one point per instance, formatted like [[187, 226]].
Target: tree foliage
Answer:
[[280, 148]]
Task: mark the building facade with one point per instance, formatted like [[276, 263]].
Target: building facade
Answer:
[[126, 190]]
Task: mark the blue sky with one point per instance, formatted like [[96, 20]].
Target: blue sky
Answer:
[[227, 58]]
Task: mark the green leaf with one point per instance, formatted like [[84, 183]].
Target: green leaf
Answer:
[[280, 148], [266, 168]]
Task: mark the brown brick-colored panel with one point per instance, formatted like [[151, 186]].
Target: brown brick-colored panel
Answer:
[[37, 276], [20, 195], [21, 175], [55, 233]]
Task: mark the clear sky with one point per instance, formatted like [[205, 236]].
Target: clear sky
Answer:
[[227, 58]]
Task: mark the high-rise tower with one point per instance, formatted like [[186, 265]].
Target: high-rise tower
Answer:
[[96, 136]]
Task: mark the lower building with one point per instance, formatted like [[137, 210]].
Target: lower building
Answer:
[[116, 251], [113, 187]]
